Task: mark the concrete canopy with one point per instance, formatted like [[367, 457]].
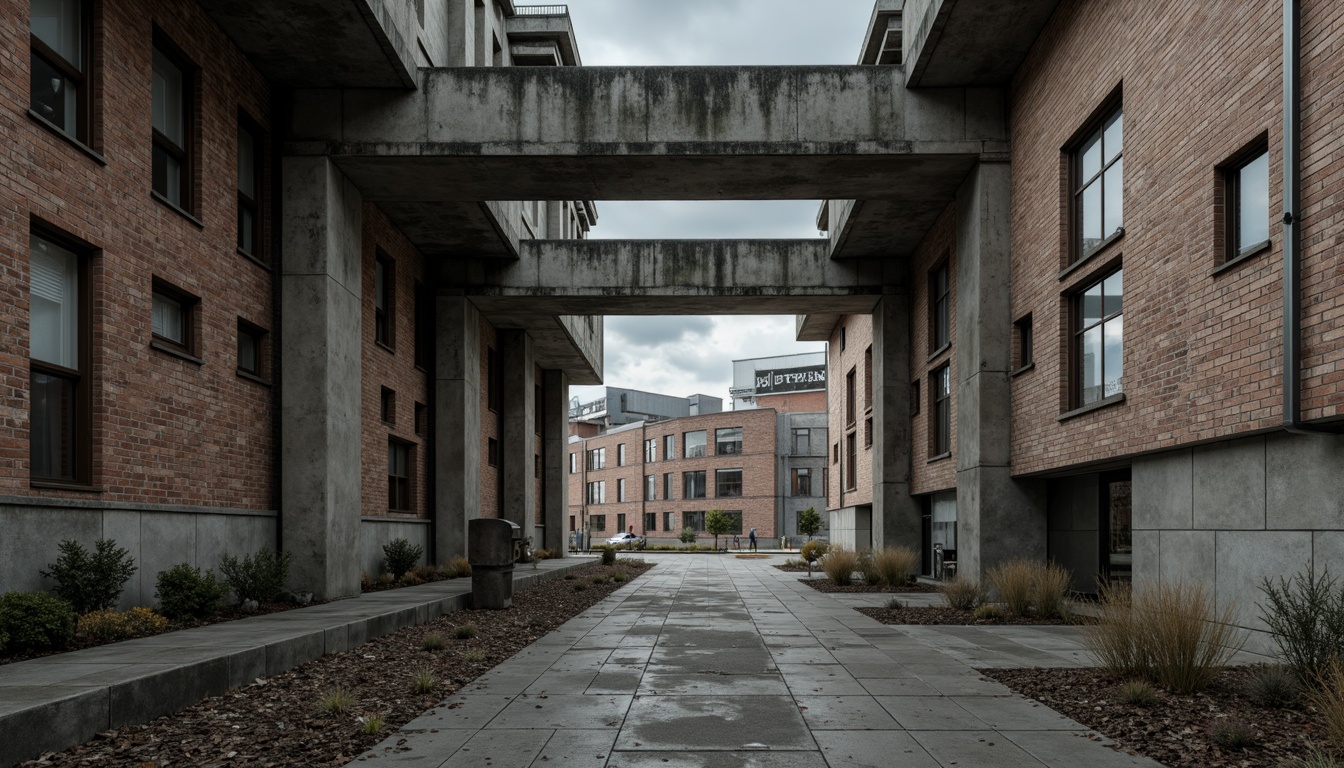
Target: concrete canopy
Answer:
[[970, 42]]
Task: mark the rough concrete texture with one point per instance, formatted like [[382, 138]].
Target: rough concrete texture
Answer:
[[1229, 485], [518, 445], [457, 423], [966, 42], [555, 468], [897, 516], [374, 532]]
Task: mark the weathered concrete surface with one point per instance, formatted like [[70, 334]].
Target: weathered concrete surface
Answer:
[[291, 41], [457, 423], [554, 466], [517, 445], [897, 516], [970, 42]]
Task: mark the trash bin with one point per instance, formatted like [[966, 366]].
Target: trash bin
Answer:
[[492, 549]]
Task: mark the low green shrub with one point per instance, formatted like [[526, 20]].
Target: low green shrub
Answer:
[[608, 554], [371, 725], [963, 593], [895, 604], [336, 701], [113, 626], [617, 578], [813, 550], [1136, 693], [465, 632], [1232, 735], [35, 621], [259, 577], [1305, 615], [186, 593], [457, 568], [1273, 686], [401, 556], [90, 581], [989, 611], [424, 680], [687, 536], [433, 642]]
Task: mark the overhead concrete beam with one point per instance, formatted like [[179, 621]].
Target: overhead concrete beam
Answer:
[[967, 43]]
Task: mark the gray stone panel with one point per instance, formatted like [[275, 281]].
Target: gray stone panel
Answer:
[[555, 465], [1078, 552], [517, 445], [1147, 556], [1229, 482], [998, 519], [166, 539], [1247, 558], [374, 532], [1164, 491], [1305, 481], [237, 535], [145, 698], [72, 716], [124, 528], [1188, 556], [1327, 552], [31, 537]]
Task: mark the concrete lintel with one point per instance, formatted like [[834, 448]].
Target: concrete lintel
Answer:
[[970, 42]]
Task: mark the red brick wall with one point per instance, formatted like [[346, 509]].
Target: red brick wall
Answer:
[[1202, 352], [166, 430], [858, 337], [794, 402], [393, 367], [939, 245]]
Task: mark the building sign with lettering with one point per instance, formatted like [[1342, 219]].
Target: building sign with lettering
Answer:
[[790, 380]]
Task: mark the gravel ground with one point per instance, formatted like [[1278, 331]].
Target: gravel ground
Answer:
[[1178, 730], [943, 615], [279, 721]]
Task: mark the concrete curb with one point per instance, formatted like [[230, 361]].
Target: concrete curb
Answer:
[[56, 702]]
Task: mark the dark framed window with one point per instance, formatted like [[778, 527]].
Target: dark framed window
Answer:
[[868, 432], [802, 441], [387, 406], [421, 419], [940, 411], [1246, 203], [940, 300], [868, 378], [1099, 336], [915, 398], [667, 485], [650, 487], [173, 318], [597, 458], [174, 121], [494, 380], [60, 426], [1025, 338], [694, 444], [842, 338], [620, 522], [727, 483], [399, 456], [598, 522], [384, 296], [693, 484], [597, 492], [669, 447], [669, 521], [835, 453], [60, 58], [620, 489], [727, 440], [851, 462], [492, 452], [693, 520], [251, 172], [1097, 168], [650, 521], [620, 455], [800, 482], [851, 410], [251, 353], [573, 463], [650, 451]]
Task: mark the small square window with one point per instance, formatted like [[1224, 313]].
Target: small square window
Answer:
[[251, 355], [173, 318], [388, 406]]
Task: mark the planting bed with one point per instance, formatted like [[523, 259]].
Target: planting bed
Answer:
[[824, 584], [278, 721], [944, 615], [1178, 730]]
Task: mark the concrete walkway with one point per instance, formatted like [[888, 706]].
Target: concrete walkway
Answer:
[[715, 661]]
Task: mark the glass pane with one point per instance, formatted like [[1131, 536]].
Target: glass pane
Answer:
[[52, 428], [1090, 359], [247, 351], [168, 319], [58, 24], [53, 96], [168, 102], [1091, 159], [1115, 198], [1114, 288], [1091, 217], [167, 176], [53, 304], [1253, 207], [380, 284], [1091, 307], [246, 231], [247, 164], [1114, 331], [1115, 136]]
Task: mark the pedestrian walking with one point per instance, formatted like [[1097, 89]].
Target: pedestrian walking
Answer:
[[751, 540]]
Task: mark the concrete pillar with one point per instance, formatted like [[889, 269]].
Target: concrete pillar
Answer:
[[554, 462], [896, 515], [998, 518], [320, 357], [518, 442], [457, 423]]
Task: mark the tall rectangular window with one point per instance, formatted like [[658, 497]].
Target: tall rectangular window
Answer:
[[620, 455], [250, 340], [384, 294], [650, 521], [1099, 339], [801, 482], [650, 487], [850, 406], [597, 492], [620, 489], [174, 127], [802, 441], [669, 447], [1026, 354], [851, 462], [669, 521], [940, 319], [1246, 202], [940, 415], [250, 158], [597, 458], [59, 60], [573, 463], [59, 428], [693, 485], [1098, 169], [620, 523], [694, 444], [727, 440], [650, 451], [399, 476], [868, 378], [727, 483], [667, 485]]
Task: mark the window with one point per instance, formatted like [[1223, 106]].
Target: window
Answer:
[[1246, 204], [650, 521], [492, 452], [842, 338], [940, 325], [422, 419], [1099, 339], [620, 523], [727, 440], [398, 476], [494, 380], [693, 520], [852, 462], [1025, 353], [667, 485], [620, 455], [940, 414], [384, 275], [669, 447], [573, 463], [60, 60], [1098, 168], [868, 432], [693, 484], [849, 398], [620, 490], [597, 492], [868, 379], [694, 443], [250, 170], [598, 522], [173, 319], [800, 482], [60, 432], [650, 451], [388, 406], [835, 453], [650, 487], [914, 398], [802, 441], [727, 483], [597, 459], [174, 127], [250, 342], [669, 521]]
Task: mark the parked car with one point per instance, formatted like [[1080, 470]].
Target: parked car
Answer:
[[627, 539]]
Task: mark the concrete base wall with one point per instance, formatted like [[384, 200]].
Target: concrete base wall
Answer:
[[852, 528], [158, 538], [374, 532]]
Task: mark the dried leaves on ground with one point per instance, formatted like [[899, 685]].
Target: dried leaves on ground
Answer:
[[1177, 731], [944, 615], [824, 584], [279, 720]]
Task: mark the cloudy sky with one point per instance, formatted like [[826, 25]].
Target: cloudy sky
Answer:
[[689, 355]]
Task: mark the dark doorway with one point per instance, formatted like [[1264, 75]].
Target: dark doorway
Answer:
[[1116, 529]]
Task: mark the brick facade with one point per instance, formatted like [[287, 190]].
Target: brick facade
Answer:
[[794, 402], [929, 474], [847, 352]]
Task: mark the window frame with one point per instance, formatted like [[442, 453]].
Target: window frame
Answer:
[[255, 204], [808, 432], [620, 455], [686, 444], [851, 469], [651, 487], [940, 303], [940, 412], [620, 490], [720, 443], [800, 481], [83, 77], [669, 447], [1024, 343], [401, 485], [258, 335], [188, 201], [384, 318], [851, 407], [650, 450], [650, 522], [189, 346], [718, 483], [1077, 337], [1231, 250], [695, 520], [669, 486], [693, 480], [1094, 128], [387, 406]]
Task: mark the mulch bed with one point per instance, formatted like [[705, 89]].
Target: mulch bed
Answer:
[[944, 615], [1177, 732], [277, 721], [792, 568], [824, 584]]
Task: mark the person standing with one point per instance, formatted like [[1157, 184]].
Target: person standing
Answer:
[[751, 540]]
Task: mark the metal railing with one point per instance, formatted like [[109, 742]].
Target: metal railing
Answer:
[[542, 10]]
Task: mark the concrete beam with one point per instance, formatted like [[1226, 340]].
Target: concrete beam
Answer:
[[959, 43]]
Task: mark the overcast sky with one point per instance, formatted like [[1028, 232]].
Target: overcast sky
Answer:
[[689, 355]]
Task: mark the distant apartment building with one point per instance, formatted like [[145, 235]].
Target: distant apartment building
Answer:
[[619, 406], [787, 383]]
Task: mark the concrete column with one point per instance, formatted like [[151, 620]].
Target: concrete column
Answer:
[[518, 442], [320, 357], [998, 518], [555, 465], [457, 423], [896, 515]]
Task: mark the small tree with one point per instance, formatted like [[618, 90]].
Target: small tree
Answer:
[[809, 522], [718, 523]]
